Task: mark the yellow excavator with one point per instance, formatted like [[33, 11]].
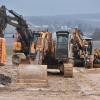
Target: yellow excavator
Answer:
[[23, 51], [70, 49], [82, 49], [54, 55], [83, 52]]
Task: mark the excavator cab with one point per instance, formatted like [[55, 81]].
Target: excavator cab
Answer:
[[62, 45], [88, 53], [36, 35]]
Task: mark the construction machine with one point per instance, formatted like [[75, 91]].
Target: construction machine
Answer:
[[23, 51], [82, 49], [62, 53], [54, 54]]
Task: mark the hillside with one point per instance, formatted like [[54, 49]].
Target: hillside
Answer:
[[96, 34], [87, 22]]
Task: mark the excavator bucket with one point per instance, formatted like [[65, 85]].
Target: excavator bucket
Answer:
[[31, 75]]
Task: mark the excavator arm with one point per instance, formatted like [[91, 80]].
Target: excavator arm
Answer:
[[3, 20], [77, 38], [17, 21], [12, 21]]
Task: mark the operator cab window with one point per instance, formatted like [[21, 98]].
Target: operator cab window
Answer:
[[62, 42]]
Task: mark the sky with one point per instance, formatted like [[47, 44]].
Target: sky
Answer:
[[52, 7]]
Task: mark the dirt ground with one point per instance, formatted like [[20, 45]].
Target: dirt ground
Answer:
[[85, 85]]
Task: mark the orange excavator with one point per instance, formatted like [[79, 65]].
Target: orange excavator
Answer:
[[43, 45]]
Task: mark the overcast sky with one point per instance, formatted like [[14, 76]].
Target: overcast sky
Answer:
[[52, 7]]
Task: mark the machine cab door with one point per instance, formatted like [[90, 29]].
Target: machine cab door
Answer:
[[62, 45]]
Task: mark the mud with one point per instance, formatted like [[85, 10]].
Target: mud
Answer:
[[85, 85]]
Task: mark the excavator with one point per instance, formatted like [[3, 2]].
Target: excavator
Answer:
[[54, 54], [83, 52], [23, 51], [82, 49]]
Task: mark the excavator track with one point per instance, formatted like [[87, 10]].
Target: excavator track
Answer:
[[68, 70]]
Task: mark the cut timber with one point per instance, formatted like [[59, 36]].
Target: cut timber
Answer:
[[32, 74], [68, 70]]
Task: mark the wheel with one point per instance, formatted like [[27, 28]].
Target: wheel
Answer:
[[16, 60], [68, 70]]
